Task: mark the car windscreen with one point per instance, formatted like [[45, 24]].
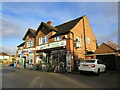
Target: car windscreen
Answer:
[[88, 61]]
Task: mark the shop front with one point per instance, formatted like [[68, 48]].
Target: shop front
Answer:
[[52, 54], [26, 57]]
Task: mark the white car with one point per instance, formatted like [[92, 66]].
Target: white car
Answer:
[[92, 65]]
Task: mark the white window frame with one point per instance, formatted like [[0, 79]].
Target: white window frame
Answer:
[[58, 38], [45, 38], [30, 43], [78, 43], [88, 40]]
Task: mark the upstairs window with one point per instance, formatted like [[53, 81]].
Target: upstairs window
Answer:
[[58, 38], [88, 39], [78, 42], [43, 40], [30, 43]]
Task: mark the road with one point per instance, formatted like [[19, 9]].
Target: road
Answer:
[[23, 78]]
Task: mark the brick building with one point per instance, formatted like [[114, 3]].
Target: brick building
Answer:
[[67, 42]]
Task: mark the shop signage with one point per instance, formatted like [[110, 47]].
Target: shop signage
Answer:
[[58, 44], [43, 47], [26, 51], [52, 45], [19, 52]]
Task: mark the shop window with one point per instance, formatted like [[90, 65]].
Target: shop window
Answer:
[[58, 38], [43, 40], [88, 40]]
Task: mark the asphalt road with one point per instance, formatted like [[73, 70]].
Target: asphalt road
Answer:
[[22, 78]]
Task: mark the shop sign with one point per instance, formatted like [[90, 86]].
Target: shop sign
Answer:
[[52, 45], [27, 51], [43, 47], [58, 44], [31, 51], [24, 52], [19, 52]]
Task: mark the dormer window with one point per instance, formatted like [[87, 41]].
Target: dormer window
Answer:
[[58, 38], [30, 42]]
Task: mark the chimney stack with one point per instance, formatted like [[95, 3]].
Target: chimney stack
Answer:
[[49, 22]]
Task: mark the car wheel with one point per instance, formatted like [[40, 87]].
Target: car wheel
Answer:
[[98, 72], [105, 70], [81, 72]]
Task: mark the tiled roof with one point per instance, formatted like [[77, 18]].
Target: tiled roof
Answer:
[[104, 48], [30, 30], [48, 27], [60, 29], [21, 44], [4, 54], [66, 27]]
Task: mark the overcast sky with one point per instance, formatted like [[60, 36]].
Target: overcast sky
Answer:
[[17, 17]]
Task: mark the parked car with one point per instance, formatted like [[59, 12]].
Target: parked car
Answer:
[[92, 65]]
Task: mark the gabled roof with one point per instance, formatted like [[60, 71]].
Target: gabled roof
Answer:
[[30, 30], [4, 54], [22, 44], [66, 27], [48, 27], [60, 29], [104, 48]]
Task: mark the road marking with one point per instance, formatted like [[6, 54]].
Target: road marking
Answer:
[[41, 84], [7, 68], [33, 82]]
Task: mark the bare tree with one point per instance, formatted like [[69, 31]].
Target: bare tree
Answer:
[[113, 45]]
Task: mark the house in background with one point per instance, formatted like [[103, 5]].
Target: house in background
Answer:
[[67, 42], [108, 55], [6, 58]]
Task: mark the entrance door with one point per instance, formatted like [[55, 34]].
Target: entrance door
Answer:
[[24, 62]]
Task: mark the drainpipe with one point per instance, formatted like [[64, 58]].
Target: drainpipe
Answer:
[[84, 34], [73, 44]]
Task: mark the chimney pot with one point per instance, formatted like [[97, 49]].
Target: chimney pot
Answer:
[[49, 22]]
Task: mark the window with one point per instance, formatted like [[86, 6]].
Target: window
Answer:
[[30, 43], [43, 40], [90, 61], [58, 38], [78, 42], [46, 39], [100, 62], [88, 40]]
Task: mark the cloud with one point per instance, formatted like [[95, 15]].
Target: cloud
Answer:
[[10, 30], [60, 0], [103, 37], [18, 17], [9, 50]]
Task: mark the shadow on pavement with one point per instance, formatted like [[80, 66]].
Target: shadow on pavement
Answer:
[[6, 71], [88, 74]]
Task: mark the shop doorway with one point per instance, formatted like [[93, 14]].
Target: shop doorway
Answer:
[[24, 62], [59, 56]]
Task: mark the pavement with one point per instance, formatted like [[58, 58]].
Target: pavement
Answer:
[[23, 78]]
